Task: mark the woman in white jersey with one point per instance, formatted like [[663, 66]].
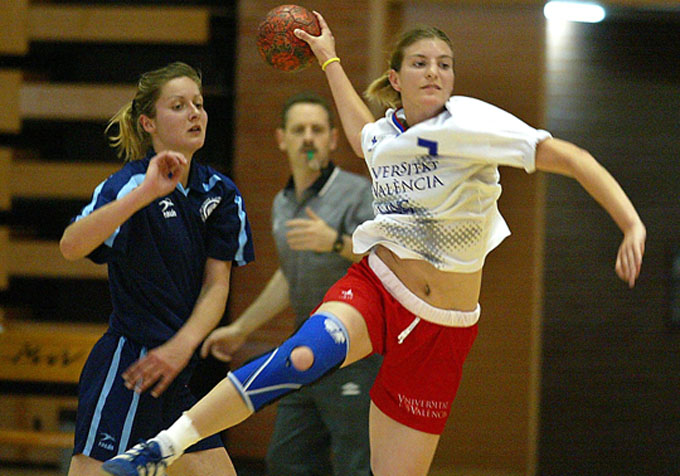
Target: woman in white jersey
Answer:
[[434, 162]]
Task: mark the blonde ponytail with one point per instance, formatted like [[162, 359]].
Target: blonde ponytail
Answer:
[[381, 92], [126, 135]]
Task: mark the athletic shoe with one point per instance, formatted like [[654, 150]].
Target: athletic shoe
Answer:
[[143, 459]]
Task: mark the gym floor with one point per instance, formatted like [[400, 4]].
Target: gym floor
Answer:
[[244, 468]]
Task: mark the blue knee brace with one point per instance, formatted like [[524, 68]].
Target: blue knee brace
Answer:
[[272, 375]]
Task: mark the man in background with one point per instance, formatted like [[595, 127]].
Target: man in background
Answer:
[[321, 429]]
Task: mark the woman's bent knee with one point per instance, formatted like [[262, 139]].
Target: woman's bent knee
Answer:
[[302, 358]]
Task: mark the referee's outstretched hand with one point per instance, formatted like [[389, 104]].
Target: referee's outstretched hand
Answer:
[[223, 343], [310, 234]]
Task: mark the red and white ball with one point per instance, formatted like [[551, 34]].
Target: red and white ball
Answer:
[[276, 42]]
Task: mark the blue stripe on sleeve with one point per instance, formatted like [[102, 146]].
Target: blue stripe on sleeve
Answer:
[[131, 184], [89, 208], [211, 182]]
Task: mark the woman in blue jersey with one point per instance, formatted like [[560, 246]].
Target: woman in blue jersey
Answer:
[[169, 229], [434, 160]]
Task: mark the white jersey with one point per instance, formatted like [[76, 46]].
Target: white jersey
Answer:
[[436, 184]]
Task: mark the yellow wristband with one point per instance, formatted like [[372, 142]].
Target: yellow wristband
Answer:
[[329, 61]]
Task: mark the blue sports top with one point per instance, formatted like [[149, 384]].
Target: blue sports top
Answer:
[[156, 259]]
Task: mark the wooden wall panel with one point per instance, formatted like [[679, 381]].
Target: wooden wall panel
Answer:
[[61, 180], [4, 259], [611, 368], [13, 34], [10, 81], [5, 203], [30, 352], [643, 4], [5, 178], [85, 102], [20, 415], [42, 259], [137, 24], [53, 93]]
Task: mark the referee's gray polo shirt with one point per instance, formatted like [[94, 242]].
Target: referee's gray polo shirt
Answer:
[[344, 200]]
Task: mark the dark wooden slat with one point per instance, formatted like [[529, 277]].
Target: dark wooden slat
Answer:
[[138, 24]]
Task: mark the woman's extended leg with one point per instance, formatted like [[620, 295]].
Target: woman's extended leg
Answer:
[[212, 462], [397, 450], [82, 465], [311, 352], [224, 406]]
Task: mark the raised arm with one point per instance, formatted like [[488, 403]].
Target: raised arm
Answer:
[[558, 156], [83, 236], [353, 111]]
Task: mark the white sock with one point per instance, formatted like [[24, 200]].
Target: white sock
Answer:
[[178, 437]]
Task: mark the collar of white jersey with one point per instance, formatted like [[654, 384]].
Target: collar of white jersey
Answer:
[[397, 117]]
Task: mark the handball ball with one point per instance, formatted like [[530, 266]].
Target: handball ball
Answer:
[[277, 43]]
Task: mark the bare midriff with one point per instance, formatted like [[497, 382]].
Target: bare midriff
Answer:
[[442, 289]]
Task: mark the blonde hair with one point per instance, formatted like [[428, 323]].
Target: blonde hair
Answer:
[[129, 138], [380, 91]]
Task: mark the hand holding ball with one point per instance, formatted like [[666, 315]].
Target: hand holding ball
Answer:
[[277, 43]]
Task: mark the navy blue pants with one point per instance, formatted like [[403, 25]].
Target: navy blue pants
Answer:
[[111, 418]]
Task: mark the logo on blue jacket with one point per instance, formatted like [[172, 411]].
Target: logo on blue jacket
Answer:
[[208, 207]]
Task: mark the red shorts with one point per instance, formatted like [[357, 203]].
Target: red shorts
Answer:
[[419, 377]]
